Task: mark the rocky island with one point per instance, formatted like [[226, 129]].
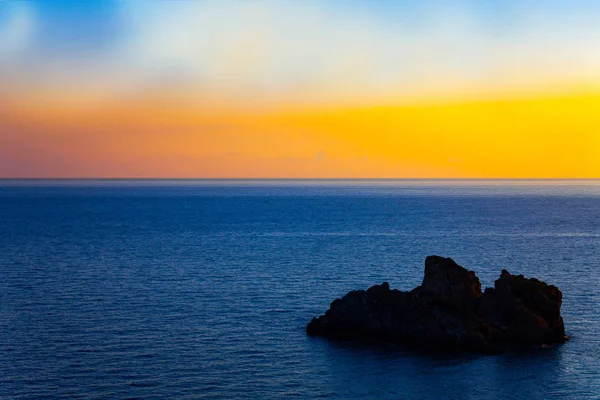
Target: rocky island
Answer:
[[448, 311]]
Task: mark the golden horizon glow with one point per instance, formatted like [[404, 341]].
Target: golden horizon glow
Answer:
[[311, 89], [538, 136]]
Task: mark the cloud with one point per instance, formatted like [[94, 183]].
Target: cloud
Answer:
[[322, 52], [17, 26], [274, 48], [256, 52], [320, 156]]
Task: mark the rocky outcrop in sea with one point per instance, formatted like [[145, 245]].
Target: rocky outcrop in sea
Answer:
[[448, 311]]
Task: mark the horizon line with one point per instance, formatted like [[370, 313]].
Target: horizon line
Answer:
[[286, 179]]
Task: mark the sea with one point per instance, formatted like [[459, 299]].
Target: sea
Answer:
[[202, 289]]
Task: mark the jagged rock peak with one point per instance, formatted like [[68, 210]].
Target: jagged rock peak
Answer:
[[449, 311]]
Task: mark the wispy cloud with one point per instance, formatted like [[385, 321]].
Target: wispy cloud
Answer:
[[323, 52], [274, 48], [17, 27]]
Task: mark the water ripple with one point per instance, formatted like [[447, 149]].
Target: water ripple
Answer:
[[192, 293]]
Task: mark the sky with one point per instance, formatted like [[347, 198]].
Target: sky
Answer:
[[300, 89]]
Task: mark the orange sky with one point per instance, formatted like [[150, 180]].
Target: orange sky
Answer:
[[300, 89], [539, 136]]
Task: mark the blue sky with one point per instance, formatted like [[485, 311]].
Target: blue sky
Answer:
[[399, 46], [80, 25]]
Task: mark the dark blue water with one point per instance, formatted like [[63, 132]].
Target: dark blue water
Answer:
[[203, 289]]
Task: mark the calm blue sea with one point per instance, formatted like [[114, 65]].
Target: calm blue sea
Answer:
[[203, 289]]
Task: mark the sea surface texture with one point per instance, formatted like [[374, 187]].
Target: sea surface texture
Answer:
[[203, 289]]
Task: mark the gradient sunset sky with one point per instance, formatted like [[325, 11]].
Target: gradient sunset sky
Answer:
[[300, 89]]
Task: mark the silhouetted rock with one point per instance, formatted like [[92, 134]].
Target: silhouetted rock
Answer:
[[448, 311], [523, 311], [450, 283]]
